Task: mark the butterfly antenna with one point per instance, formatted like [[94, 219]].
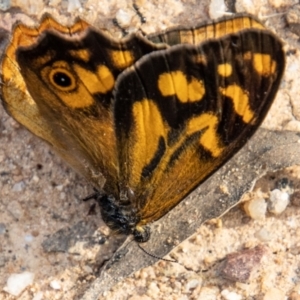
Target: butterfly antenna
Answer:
[[94, 195], [138, 12], [154, 256], [117, 24]]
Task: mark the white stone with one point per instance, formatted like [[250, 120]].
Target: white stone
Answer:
[[227, 295], [5, 4], [192, 284], [2, 228], [73, 5], [17, 283], [209, 293], [19, 186], [256, 208], [28, 238], [35, 179], [38, 296], [263, 235], [123, 17], [15, 208], [278, 201], [246, 6], [217, 9], [55, 285], [59, 187]]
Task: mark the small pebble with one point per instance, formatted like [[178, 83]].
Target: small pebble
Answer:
[[256, 209], [55, 285], [2, 228], [217, 9], [295, 198], [38, 296], [263, 235], [238, 265], [17, 283], [274, 294], [73, 5], [227, 295], [18, 187], [123, 17], [28, 238], [192, 284], [278, 201]]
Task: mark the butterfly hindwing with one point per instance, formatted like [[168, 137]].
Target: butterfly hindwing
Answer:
[[183, 112]]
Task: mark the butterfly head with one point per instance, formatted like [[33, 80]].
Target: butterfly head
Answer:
[[122, 218]]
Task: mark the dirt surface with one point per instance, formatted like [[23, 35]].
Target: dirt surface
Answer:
[[46, 229]]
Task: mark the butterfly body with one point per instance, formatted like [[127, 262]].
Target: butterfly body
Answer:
[[144, 119]]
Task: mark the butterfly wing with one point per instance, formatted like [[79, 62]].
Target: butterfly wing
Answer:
[[183, 112], [206, 30], [58, 83], [154, 120]]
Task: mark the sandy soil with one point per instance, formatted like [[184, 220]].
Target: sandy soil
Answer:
[[41, 196]]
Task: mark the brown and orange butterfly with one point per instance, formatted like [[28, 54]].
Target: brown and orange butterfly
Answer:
[[145, 119]]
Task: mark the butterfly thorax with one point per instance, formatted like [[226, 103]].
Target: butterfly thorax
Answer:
[[122, 218]]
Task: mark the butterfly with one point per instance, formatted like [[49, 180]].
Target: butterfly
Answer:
[[145, 119]]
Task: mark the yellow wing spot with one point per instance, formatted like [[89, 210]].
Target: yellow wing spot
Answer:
[[100, 82], [107, 80], [201, 59], [148, 128], [82, 54], [248, 55], [264, 64], [225, 70], [81, 100], [175, 83], [209, 138], [44, 59], [240, 101], [122, 58]]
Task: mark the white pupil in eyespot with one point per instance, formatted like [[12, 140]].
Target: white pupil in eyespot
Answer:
[[62, 79]]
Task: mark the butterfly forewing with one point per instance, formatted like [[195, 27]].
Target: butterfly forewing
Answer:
[[183, 112], [203, 32], [61, 91]]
